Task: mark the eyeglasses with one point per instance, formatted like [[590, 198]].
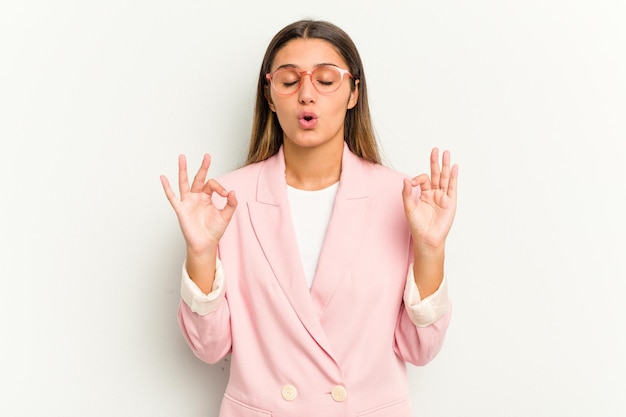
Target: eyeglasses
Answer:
[[325, 79]]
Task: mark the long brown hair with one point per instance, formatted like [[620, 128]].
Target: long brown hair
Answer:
[[267, 134]]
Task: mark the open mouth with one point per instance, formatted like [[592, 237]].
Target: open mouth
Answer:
[[307, 116], [308, 120]]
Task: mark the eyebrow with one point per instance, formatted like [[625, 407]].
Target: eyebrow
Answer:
[[314, 66]]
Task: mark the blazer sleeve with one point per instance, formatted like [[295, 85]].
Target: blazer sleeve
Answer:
[[422, 324], [204, 319]]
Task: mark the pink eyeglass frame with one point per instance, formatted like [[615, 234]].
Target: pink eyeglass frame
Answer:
[[270, 78]]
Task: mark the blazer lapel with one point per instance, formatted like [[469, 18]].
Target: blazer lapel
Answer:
[[345, 231], [271, 219]]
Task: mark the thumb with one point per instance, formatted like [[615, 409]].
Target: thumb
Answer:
[[407, 196], [231, 205]]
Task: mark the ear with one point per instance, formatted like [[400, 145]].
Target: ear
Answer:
[[268, 97], [354, 96]]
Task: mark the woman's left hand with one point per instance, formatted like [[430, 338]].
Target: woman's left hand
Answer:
[[430, 216]]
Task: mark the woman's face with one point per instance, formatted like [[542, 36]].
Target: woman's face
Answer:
[[309, 118]]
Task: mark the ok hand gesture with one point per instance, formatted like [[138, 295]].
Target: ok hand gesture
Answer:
[[430, 216], [202, 223]]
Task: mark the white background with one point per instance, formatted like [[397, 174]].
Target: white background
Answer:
[[97, 99]]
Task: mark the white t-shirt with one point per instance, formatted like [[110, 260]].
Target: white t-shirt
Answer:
[[311, 211]]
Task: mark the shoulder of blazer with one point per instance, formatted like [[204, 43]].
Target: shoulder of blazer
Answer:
[[361, 178], [245, 180]]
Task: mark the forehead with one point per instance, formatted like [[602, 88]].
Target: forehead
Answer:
[[307, 53]]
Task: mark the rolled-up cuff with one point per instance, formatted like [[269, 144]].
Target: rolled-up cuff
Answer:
[[427, 311], [198, 301]]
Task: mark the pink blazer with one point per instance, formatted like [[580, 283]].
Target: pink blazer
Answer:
[[338, 349]]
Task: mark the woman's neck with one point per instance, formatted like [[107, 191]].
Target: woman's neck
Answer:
[[312, 168]]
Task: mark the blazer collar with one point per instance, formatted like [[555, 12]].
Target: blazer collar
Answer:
[[272, 185]]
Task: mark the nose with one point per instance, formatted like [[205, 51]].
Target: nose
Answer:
[[307, 92]]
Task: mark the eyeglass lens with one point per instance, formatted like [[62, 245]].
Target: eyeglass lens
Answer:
[[325, 79]]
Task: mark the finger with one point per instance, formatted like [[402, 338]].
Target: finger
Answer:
[[423, 181], [435, 171], [200, 178], [445, 171], [169, 193], [452, 187], [183, 179], [213, 186]]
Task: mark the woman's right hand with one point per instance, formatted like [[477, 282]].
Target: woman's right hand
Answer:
[[201, 222]]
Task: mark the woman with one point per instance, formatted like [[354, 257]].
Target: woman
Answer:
[[317, 268]]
